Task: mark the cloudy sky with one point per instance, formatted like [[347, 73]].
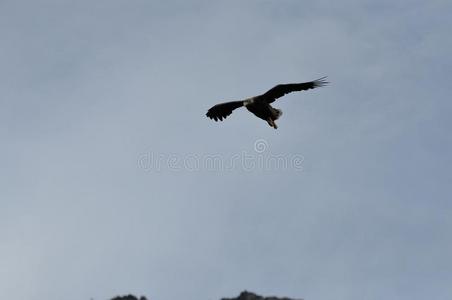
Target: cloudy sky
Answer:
[[105, 182]]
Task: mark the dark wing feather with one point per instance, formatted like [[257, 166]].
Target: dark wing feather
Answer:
[[283, 89], [222, 110]]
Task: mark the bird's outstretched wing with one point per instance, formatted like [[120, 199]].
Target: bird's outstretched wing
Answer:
[[283, 89], [222, 110]]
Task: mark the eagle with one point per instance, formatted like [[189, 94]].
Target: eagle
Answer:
[[260, 105]]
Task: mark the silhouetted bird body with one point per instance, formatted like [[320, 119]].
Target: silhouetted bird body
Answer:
[[260, 105]]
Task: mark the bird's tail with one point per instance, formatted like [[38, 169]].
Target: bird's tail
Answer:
[[276, 113]]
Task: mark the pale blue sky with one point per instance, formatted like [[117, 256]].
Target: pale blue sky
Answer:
[[89, 87]]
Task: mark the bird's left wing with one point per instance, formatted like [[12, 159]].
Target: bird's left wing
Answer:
[[283, 89], [222, 110]]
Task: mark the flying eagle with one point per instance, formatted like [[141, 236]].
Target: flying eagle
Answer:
[[260, 105]]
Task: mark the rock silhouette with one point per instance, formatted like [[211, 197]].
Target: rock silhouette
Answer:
[[128, 297], [245, 295]]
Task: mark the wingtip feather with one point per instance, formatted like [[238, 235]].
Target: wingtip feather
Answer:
[[321, 82]]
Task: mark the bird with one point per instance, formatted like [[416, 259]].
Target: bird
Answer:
[[260, 105]]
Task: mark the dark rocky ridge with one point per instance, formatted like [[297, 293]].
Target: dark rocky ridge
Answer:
[[245, 295], [128, 297]]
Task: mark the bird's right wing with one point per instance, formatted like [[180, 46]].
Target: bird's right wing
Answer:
[[222, 110], [283, 89]]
